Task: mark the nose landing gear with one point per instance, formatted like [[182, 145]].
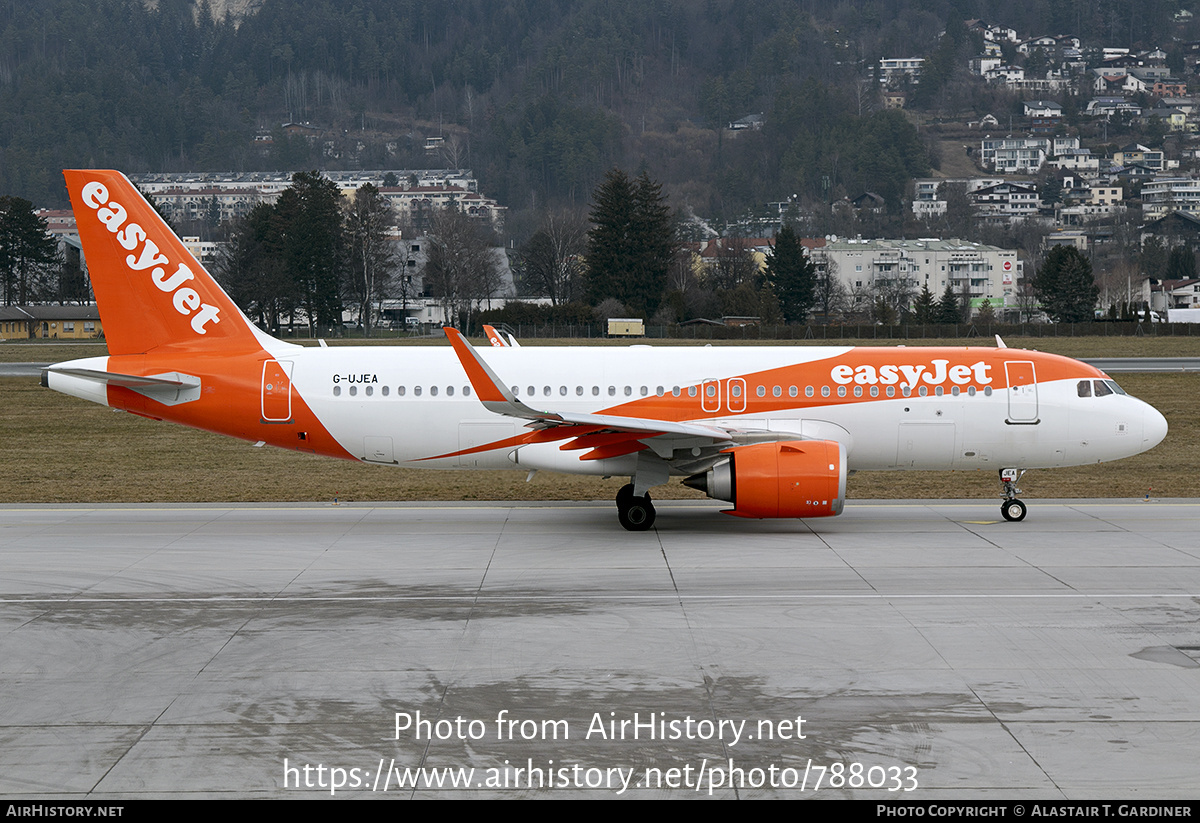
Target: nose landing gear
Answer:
[[1012, 509]]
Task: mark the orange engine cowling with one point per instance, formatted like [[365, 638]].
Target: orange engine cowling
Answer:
[[795, 478]]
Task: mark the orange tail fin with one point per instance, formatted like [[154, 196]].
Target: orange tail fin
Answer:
[[150, 291]]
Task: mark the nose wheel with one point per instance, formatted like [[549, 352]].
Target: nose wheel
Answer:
[[636, 514], [1012, 509]]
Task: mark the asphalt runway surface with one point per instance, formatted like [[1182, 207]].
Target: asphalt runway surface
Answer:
[[904, 650]]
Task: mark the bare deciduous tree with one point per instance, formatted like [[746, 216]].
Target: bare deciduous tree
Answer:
[[373, 254], [462, 268], [552, 259]]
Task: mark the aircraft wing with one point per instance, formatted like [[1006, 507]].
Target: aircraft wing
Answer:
[[608, 435]]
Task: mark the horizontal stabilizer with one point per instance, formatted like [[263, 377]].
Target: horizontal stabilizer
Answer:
[[132, 381], [170, 388]]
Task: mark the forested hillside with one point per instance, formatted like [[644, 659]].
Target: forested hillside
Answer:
[[539, 97]]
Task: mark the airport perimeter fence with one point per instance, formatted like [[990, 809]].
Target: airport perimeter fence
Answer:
[[865, 331]]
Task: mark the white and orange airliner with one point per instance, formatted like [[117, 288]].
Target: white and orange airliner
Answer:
[[775, 431]]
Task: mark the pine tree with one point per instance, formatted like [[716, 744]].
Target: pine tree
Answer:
[[630, 244], [792, 275], [1065, 286], [27, 250], [313, 245], [609, 247], [1181, 265], [925, 307], [1152, 260], [948, 309]]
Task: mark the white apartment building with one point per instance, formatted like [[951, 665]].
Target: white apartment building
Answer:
[[987, 272], [1005, 202], [1164, 195], [892, 69], [1022, 155], [193, 195]]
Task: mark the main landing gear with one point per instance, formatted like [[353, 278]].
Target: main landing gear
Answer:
[[1012, 509], [635, 513]]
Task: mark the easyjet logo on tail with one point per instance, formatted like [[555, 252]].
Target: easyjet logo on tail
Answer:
[[130, 236]]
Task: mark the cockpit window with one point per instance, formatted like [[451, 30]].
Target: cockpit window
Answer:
[[1085, 388], [1102, 388], [1112, 384]]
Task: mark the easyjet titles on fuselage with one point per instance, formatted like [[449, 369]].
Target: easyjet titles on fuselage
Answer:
[[185, 300], [909, 375]]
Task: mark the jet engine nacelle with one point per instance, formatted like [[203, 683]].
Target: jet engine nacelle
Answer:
[[795, 478]]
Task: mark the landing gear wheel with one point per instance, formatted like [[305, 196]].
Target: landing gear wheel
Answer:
[[625, 496], [1013, 510], [637, 515]]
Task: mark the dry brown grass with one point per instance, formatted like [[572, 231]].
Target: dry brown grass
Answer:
[[59, 449]]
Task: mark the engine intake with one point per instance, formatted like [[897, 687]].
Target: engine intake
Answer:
[[795, 478]]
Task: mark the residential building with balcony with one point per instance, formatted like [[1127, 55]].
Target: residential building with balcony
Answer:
[[869, 266]]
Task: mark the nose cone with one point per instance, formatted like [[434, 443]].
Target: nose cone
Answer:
[[1154, 427]]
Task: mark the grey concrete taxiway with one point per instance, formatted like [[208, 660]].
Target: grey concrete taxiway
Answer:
[[280, 650]]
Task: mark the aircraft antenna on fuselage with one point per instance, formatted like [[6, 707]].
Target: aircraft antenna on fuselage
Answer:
[[1000, 344]]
